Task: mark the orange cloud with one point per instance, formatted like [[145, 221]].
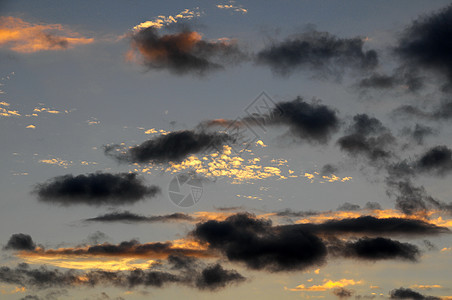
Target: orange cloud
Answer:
[[183, 42], [24, 37], [124, 256], [327, 285], [426, 286]]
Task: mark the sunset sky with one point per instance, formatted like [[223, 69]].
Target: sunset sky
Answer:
[[225, 149]]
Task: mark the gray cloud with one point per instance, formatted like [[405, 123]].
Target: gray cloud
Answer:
[[320, 52], [174, 146], [20, 241], [94, 189], [128, 217]]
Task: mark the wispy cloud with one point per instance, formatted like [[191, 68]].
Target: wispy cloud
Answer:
[[24, 37], [233, 7]]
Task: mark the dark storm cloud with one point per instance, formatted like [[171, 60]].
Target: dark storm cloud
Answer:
[[320, 52], [313, 122], [367, 137], [215, 277], [380, 248], [425, 43], [20, 241], [437, 160], [174, 146], [261, 246], [254, 242], [95, 189], [402, 293], [183, 52], [342, 293], [422, 46], [209, 278], [128, 217], [368, 225]]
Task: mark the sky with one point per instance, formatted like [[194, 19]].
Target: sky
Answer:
[[227, 149]]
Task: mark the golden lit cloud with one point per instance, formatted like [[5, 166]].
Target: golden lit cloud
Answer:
[[426, 286], [64, 163], [56, 161], [124, 256], [6, 112], [327, 285], [17, 289], [21, 36], [31, 127], [233, 7], [161, 21], [242, 167], [322, 179]]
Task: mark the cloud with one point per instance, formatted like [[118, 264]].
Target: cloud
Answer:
[[183, 52], [328, 170], [320, 52], [425, 43], [20, 241], [367, 137], [402, 293], [412, 199], [212, 277], [418, 133], [327, 285], [95, 189], [162, 21], [259, 245], [128, 217], [403, 77], [380, 248], [437, 160], [24, 37], [348, 207], [312, 122], [368, 225], [378, 81], [233, 7], [174, 146], [440, 111], [6, 112], [131, 248], [215, 277], [254, 242], [342, 293]]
